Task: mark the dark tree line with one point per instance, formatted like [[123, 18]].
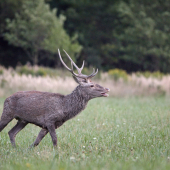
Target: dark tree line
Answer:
[[132, 35]]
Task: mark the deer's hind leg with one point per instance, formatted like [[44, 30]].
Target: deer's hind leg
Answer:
[[4, 122], [17, 128], [7, 115]]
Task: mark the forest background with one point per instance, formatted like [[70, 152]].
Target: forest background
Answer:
[[129, 42], [132, 35]]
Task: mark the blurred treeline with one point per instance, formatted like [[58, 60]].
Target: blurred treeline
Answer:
[[133, 35]]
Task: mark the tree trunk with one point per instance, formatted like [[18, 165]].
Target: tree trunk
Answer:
[[35, 59]]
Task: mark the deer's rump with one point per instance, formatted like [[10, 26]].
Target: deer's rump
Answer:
[[34, 106]]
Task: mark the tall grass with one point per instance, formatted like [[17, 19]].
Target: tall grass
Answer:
[[11, 82], [43, 79]]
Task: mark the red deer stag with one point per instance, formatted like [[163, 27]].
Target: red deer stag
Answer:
[[50, 110]]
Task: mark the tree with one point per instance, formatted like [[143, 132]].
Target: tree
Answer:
[[7, 10], [93, 21], [143, 44], [9, 54], [127, 34], [37, 28]]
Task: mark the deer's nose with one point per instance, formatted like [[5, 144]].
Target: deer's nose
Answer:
[[107, 89]]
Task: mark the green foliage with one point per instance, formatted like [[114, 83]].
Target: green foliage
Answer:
[[116, 74], [41, 71], [25, 70], [7, 10], [94, 21], [1, 71], [37, 28], [3, 83], [31, 71], [147, 74], [126, 34], [132, 36], [143, 43]]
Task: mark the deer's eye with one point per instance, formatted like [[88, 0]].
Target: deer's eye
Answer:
[[92, 85]]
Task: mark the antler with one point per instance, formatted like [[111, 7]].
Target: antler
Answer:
[[80, 75], [78, 69]]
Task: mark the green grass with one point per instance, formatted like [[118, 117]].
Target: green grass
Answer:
[[124, 133]]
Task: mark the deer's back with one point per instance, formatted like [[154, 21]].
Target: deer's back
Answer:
[[35, 107]]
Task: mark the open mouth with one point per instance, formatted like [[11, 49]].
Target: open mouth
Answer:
[[105, 94]]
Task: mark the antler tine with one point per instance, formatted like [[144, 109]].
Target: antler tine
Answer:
[[78, 69], [82, 66], [93, 74], [90, 76], [80, 75], [72, 65], [63, 62], [71, 70]]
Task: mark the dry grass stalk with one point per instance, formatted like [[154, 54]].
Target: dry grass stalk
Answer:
[[11, 82]]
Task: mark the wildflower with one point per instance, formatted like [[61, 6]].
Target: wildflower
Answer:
[[94, 138], [83, 146], [72, 158], [28, 165], [83, 155], [117, 125]]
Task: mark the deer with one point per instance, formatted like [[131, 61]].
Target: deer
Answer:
[[50, 110]]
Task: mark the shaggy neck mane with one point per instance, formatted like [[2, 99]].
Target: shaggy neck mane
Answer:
[[75, 102]]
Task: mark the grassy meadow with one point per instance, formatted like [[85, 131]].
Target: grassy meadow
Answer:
[[112, 133]]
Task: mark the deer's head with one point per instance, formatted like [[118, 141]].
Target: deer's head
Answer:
[[88, 87]]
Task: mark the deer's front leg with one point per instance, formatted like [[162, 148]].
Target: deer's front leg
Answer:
[[40, 136], [51, 129]]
